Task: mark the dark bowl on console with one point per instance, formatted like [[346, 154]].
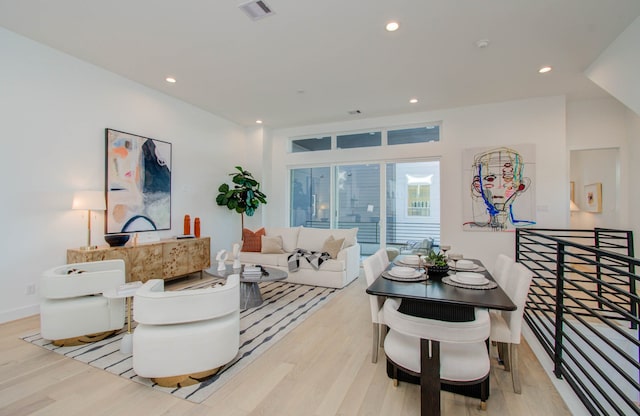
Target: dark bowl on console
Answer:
[[116, 240]]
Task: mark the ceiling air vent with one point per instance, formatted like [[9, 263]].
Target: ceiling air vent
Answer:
[[256, 9]]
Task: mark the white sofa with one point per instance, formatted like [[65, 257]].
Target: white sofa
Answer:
[[336, 272]]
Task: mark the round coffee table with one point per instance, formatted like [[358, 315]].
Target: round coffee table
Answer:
[[250, 295]]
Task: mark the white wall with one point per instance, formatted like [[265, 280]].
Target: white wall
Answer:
[[596, 166], [540, 121], [53, 112], [631, 191], [601, 125], [616, 69]]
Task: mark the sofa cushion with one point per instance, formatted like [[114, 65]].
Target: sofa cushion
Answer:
[[289, 237], [326, 266], [332, 246], [271, 245], [350, 235], [313, 238], [252, 241]]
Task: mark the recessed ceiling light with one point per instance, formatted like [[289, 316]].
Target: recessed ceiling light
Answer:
[[170, 80], [392, 26], [544, 69], [258, 121], [413, 100]]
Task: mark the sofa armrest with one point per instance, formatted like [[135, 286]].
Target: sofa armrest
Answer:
[[351, 256]]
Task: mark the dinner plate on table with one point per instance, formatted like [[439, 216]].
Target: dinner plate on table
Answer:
[[469, 278], [402, 262], [414, 274], [465, 267], [409, 260]]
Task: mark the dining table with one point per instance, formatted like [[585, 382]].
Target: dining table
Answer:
[[442, 299]]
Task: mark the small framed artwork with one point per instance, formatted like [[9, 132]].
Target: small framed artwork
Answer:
[[593, 197]]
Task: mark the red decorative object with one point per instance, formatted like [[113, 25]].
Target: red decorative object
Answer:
[[187, 225], [196, 227]]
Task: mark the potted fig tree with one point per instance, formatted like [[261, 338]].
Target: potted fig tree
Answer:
[[244, 196]]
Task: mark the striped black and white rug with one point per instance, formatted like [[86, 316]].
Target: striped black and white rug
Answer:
[[285, 306]]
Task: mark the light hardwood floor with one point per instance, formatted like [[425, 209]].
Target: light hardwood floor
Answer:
[[323, 367]]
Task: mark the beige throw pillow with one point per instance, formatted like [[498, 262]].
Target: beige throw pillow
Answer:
[[272, 245], [332, 246]]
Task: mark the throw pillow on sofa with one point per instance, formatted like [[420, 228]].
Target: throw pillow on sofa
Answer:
[[289, 236], [252, 241], [332, 246], [271, 245]]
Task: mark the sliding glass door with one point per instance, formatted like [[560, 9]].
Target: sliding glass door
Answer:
[[358, 203], [412, 203], [310, 197], [395, 203]]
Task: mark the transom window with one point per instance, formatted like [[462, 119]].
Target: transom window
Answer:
[[374, 138]]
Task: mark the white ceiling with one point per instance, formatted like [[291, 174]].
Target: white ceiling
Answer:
[[315, 60]]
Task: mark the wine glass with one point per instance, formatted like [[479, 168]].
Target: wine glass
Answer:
[[455, 257], [424, 265], [444, 249]]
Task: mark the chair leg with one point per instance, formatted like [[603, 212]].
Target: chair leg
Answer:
[[506, 356], [395, 376], [500, 349], [376, 335], [515, 374], [383, 334], [484, 393]]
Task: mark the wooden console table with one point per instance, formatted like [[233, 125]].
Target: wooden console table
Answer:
[[165, 259]]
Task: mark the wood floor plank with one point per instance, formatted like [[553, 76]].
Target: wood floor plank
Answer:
[[322, 367]]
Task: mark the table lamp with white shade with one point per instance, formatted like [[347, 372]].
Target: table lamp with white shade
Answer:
[[89, 201]]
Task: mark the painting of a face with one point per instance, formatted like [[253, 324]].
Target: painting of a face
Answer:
[[497, 182], [499, 177]]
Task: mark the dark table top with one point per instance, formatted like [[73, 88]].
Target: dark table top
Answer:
[[435, 291]]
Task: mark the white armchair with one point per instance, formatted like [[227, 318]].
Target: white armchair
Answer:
[[183, 337], [72, 308]]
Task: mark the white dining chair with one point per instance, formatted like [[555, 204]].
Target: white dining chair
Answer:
[[373, 266], [501, 268], [464, 356], [506, 326]]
